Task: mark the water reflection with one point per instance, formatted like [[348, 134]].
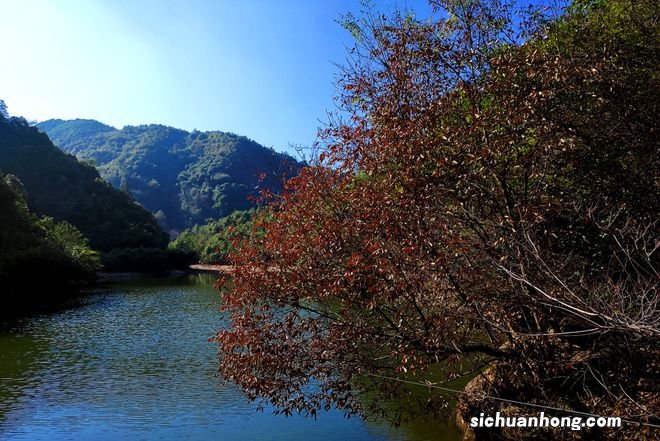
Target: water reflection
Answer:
[[134, 362]]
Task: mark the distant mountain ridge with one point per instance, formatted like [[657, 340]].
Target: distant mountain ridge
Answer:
[[184, 178]]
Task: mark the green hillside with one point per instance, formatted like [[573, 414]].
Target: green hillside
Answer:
[[183, 178], [60, 186], [55, 251], [213, 242]]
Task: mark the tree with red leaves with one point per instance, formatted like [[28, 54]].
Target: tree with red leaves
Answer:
[[489, 198]]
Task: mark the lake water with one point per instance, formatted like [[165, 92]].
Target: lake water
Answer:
[[133, 362]]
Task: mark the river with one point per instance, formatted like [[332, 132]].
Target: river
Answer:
[[132, 361]]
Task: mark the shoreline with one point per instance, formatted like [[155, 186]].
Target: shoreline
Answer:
[[213, 268], [105, 276]]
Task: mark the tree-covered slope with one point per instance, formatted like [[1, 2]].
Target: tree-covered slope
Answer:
[[60, 186], [183, 178], [39, 258], [73, 133], [213, 242]]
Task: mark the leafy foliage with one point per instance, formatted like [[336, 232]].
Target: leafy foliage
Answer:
[[184, 178], [213, 242], [71, 241], [491, 199]]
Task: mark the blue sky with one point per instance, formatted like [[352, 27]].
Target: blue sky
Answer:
[[260, 68]]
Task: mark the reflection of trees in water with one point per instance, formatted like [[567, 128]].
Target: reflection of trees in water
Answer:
[[423, 413], [21, 358], [120, 334], [419, 429]]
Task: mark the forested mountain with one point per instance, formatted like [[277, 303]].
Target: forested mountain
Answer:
[[183, 178], [60, 186]]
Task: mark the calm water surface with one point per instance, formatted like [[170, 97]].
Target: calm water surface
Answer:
[[134, 363]]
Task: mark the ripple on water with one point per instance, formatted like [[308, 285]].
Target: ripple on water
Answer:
[[134, 362]]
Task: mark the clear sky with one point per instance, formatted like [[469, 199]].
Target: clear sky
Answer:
[[260, 68]]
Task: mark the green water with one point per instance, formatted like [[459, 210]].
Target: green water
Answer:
[[133, 362]]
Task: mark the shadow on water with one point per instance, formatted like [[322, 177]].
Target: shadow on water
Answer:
[[133, 361], [20, 356]]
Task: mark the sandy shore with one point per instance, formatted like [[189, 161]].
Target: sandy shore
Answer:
[[227, 269]]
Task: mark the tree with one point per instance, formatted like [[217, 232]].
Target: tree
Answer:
[[490, 200], [72, 243], [4, 114]]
